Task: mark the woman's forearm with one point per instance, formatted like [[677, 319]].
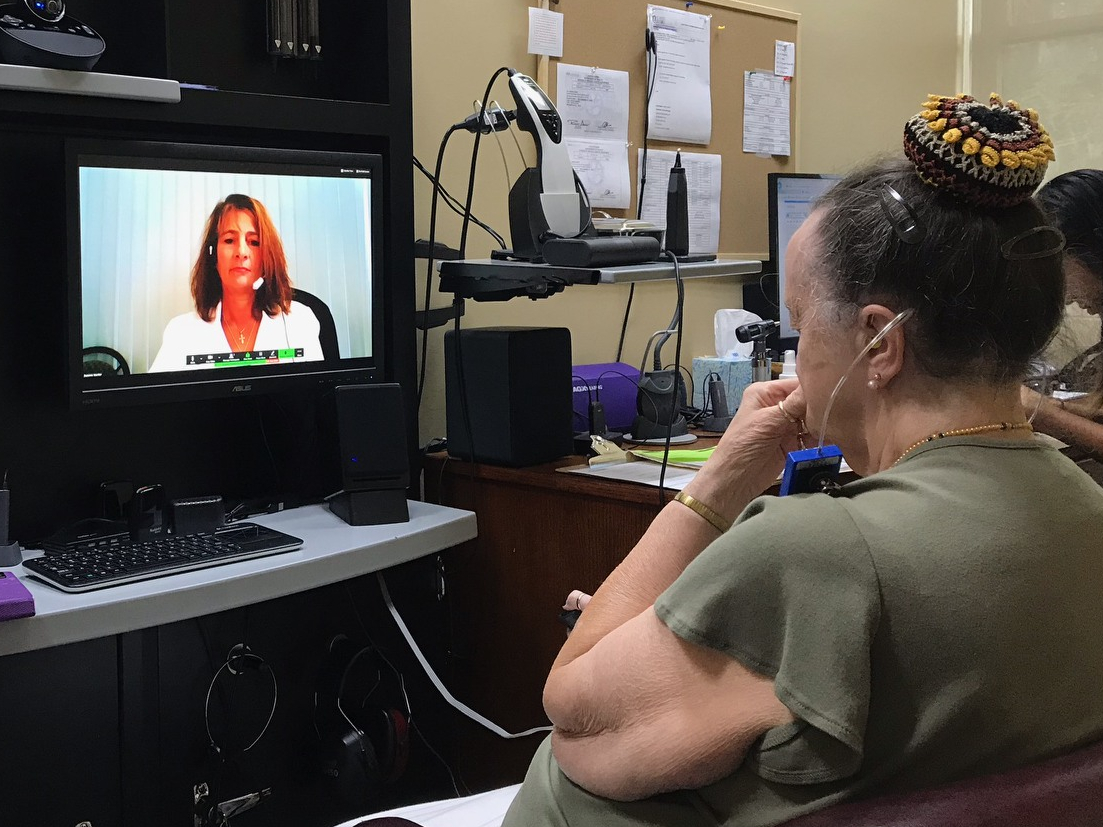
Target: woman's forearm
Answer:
[[1070, 424], [674, 538], [745, 464]]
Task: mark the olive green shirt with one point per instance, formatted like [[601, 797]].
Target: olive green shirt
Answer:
[[935, 621]]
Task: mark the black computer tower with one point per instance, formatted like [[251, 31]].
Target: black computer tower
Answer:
[[517, 385]]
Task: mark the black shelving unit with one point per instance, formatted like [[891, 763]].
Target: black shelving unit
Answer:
[[356, 98], [92, 758]]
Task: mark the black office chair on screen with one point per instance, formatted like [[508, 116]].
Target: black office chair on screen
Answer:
[[327, 336], [101, 360]]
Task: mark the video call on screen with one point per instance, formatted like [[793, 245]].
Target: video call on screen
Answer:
[[141, 230]]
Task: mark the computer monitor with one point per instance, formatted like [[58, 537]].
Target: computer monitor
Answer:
[[160, 234], [791, 196]]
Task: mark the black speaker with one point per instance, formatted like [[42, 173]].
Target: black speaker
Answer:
[[517, 386], [375, 469]]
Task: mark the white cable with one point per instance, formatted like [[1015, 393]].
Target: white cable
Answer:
[[455, 704]]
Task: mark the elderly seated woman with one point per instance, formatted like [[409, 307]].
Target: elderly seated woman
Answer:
[[757, 658]]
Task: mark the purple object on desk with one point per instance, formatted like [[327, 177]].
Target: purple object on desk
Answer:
[[611, 383], [15, 600]]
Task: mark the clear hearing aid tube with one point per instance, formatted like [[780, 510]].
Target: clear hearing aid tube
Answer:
[[894, 323]]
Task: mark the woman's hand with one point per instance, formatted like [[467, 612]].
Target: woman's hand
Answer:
[[752, 451]]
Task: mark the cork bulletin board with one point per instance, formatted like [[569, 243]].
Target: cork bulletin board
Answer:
[[610, 34]]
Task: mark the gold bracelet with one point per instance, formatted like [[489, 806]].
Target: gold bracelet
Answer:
[[713, 518]]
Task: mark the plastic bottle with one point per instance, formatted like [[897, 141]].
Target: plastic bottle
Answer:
[[789, 365]]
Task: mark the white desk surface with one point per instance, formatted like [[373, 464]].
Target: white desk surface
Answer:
[[332, 551]]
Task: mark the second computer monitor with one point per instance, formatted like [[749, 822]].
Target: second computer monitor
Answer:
[[791, 197]]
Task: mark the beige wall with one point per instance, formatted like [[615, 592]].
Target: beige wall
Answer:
[[865, 66]]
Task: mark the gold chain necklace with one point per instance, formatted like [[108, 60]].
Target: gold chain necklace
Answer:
[[241, 337], [978, 429]]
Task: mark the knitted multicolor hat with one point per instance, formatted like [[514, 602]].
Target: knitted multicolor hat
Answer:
[[989, 155]]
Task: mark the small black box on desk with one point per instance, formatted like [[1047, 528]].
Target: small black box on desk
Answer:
[[517, 383]]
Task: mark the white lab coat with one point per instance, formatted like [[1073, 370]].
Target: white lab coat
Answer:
[[188, 334]]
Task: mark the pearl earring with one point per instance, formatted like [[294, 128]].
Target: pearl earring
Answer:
[[872, 383]]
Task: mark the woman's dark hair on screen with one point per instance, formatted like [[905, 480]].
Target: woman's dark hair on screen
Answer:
[[1074, 202], [979, 316], [274, 295]]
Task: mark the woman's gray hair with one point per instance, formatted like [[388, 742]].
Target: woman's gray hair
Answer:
[[987, 294]]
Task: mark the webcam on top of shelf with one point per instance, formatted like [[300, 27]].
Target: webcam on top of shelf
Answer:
[[51, 11], [39, 33]]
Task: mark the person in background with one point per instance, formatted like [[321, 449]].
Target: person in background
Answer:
[[756, 658], [242, 293], [1074, 202]]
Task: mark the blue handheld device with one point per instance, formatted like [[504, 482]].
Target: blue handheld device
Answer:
[[811, 470]]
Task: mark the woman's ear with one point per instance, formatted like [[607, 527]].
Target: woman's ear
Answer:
[[885, 358]]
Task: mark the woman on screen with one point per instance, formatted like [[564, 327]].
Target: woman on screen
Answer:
[[242, 295]]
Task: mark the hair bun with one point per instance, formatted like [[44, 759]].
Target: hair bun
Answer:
[[989, 155]]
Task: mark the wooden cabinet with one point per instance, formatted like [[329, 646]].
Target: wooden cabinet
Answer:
[[542, 533]]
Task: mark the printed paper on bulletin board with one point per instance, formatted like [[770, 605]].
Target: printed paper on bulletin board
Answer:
[[610, 34]]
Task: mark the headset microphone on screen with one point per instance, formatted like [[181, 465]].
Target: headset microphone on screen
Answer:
[[258, 283]]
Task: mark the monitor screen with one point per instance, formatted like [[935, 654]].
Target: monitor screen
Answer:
[[791, 196], [201, 271]]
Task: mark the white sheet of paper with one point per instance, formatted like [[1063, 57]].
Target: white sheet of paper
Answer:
[[644, 473], [681, 104], [765, 113], [602, 167], [703, 179], [785, 58], [592, 102], [545, 32]]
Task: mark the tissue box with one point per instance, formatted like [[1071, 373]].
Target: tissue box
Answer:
[[734, 372], [611, 383]]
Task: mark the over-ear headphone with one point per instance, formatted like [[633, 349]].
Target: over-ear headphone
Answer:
[[363, 743]]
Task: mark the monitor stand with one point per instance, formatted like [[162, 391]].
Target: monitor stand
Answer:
[[386, 505]]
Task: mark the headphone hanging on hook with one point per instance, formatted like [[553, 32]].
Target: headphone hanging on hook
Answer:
[[364, 744], [241, 659]]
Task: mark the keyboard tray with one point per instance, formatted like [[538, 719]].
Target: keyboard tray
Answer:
[[114, 561]]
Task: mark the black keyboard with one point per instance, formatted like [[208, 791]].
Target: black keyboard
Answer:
[[114, 561]]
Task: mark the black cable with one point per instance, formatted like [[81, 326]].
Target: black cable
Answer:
[[456, 207], [429, 264], [462, 384], [652, 72], [624, 323], [677, 368], [474, 161]]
